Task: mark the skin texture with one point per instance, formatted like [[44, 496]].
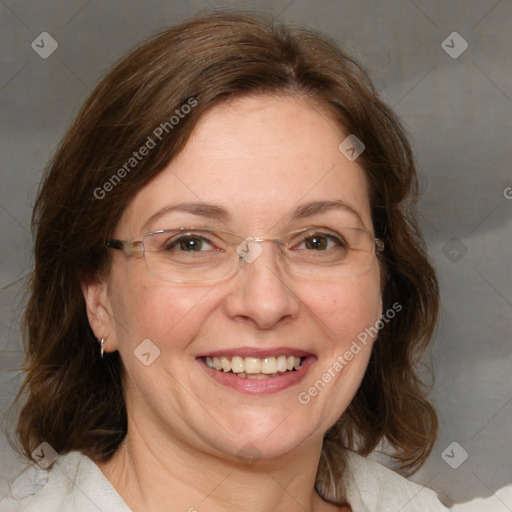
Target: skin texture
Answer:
[[258, 158]]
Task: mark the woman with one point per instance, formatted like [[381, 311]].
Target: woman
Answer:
[[230, 296]]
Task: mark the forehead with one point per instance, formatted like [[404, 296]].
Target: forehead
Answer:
[[258, 158]]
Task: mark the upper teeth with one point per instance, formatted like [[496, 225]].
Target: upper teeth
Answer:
[[267, 365]]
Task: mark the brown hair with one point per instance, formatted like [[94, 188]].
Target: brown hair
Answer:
[[74, 399]]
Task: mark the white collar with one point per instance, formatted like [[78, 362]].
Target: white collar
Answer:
[[75, 483]]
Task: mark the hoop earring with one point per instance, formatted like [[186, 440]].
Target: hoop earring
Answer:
[[102, 350]]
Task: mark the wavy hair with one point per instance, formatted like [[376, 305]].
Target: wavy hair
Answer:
[[74, 400]]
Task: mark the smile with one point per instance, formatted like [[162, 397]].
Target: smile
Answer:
[[255, 367]]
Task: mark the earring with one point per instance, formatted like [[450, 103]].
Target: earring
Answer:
[[102, 350]]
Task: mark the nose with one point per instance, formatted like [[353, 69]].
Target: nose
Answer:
[[261, 294]]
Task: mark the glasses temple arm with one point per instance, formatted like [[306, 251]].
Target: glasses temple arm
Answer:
[[122, 245], [113, 243]]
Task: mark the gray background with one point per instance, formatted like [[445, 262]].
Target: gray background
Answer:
[[458, 112]]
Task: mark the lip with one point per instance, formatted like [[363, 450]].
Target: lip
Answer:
[[255, 386], [257, 352]]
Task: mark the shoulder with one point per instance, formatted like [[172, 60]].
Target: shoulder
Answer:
[[73, 483], [372, 487]]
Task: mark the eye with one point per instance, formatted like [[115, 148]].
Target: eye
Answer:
[[189, 243], [321, 242]]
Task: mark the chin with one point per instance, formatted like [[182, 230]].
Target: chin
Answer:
[[266, 443]]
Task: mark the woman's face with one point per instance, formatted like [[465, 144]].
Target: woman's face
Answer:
[[256, 162]]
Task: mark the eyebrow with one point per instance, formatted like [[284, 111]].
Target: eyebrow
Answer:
[[206, 210], [317, 207], [215, 212]]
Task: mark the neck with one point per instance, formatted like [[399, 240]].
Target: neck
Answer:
[[153, 472]]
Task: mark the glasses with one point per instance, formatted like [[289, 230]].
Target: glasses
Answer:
[[205, 255]]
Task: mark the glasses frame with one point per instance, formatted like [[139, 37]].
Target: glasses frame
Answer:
[[136, 248]]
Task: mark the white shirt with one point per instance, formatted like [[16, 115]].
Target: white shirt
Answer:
[[75, 484]]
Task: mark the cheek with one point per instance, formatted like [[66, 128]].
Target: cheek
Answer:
[[343, 311], [149, 309], [346, 308]]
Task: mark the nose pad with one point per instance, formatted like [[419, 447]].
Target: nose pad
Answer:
[[249, 250]]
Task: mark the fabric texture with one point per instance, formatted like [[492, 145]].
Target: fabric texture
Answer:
[[75, 484]]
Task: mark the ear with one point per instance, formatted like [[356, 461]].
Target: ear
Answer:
[[99, 312]]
